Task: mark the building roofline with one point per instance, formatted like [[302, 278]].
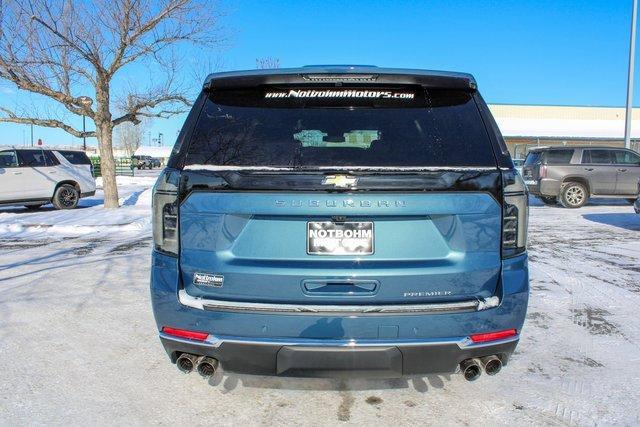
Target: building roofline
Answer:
[[556, 105], [571, 147]]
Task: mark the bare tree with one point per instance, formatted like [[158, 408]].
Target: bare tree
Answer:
[[267, 62], [77, 53], [129, 136]]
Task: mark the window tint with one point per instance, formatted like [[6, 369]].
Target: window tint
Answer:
[[559, 157], [533, 157], [75, 157], [626, 158], [32, 158], [51, 159], [248, 128], [8, 159], [599, 157]]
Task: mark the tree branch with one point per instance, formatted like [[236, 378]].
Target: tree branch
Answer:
[[89, 56], [13, 118], [22, 82], [139, 105]]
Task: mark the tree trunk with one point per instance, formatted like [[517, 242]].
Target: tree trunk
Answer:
[[104, 134]]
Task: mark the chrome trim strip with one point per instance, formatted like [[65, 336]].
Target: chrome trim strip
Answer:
[[253, 307], [214, 341]]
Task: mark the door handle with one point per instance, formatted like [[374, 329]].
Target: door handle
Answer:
[[588, 169], [622, 170], [17, 173], [52, 171]]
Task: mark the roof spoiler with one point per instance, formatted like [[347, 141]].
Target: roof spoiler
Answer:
[[339, 75]]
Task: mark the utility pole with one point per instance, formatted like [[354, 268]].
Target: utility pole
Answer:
[[632, 55], [32, 134]]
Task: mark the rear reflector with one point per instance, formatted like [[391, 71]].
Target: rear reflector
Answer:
[[182, 333], [494, 336]]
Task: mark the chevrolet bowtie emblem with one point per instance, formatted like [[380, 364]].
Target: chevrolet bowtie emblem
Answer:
[[340, 181]]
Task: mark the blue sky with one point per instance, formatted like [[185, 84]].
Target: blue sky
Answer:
[[567, 52]]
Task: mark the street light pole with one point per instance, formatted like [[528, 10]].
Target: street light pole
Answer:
[[86, 102], [632, 55], [32, 134]]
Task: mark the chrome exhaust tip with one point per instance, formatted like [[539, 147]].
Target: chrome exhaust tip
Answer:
[[186, 362], [207, 366], [492, 364], [471, 369]]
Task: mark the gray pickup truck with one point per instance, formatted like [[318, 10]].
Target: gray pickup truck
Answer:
[[571, 175]]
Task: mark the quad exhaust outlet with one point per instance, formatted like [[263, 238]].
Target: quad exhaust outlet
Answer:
[[186, 362], [491, 364], [472, 368], [205, 366]]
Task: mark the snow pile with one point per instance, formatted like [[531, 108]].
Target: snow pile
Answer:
[[134, 215]]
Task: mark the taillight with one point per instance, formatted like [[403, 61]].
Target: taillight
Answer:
[[165, 212], [183, 333], [542, 171], [515, 214], [494, 336]]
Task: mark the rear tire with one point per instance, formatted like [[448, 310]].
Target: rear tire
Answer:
[[550, 201], [66, 197], [573, 195]]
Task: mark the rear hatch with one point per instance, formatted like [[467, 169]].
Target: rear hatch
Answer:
[[380, 195], [531, 167]]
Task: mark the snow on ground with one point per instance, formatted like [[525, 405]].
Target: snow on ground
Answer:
[[78, 342], [90, 217]]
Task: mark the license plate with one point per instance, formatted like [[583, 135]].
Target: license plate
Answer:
[[339, 238]]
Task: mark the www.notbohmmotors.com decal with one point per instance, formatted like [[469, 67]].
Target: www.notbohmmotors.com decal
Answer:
[[341, 93]]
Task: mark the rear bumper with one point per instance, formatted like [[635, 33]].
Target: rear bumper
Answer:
[[332, 358], [545, 187], [339, 344]]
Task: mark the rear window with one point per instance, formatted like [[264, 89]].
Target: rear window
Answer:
[[533, 158], [626, 158], [598, 157], [341, 127], [559, 157], [76, 157], [51, 159]]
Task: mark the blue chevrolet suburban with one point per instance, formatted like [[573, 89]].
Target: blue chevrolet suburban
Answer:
[[340, 221]]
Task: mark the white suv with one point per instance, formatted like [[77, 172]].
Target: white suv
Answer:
[[34, 177]]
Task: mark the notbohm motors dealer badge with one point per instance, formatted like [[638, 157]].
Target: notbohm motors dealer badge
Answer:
[[206, 279]]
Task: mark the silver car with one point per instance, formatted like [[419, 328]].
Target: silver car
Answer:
[[571, 175]]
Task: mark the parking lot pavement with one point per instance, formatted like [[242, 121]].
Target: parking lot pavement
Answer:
[[78, 342]]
